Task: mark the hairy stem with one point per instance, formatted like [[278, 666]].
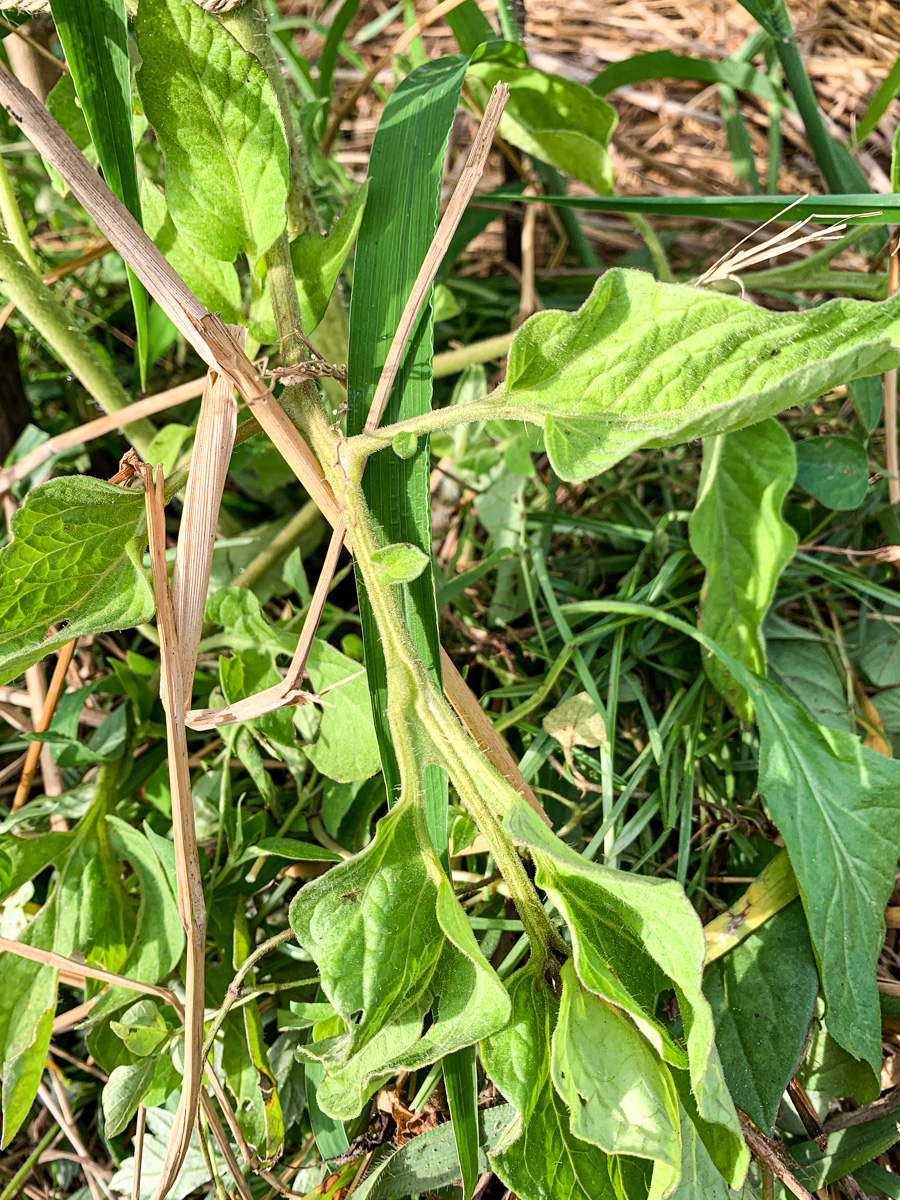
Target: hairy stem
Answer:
[[38, 305]]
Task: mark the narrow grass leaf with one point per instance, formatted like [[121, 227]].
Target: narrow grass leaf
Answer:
[[664, 64], [94, 36], [879, 104]]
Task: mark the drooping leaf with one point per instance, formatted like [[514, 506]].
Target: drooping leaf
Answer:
[[619, 1092], [217, 119], [633, 936], [762, 995], [648, 364], [392, 944], [94, 36], [214, 282], [837, 806], [800, 664], [553, 119], [834, 470], [537, 1155], [575, 722], [74, 562], [123, 1092], [738, 533]]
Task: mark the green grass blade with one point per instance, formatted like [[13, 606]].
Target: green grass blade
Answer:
[[461, 1082], [397, 228], [329, 56], [94, 36], [864, 207], [889, 89], [663, 64], [470, 26]]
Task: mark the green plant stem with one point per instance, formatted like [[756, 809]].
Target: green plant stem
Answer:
[[424, 727], [654, 245], [452, 361], [12, 1189], [235, 988], [12, 220], [248, 25], [38, 305]]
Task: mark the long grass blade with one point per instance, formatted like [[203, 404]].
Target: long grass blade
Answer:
[[94, 36]]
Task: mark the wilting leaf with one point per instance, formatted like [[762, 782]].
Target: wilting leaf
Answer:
[[738, 533], [633, 937], [833, 469], [216, 117], [391, 943], [643, 363], [75, 562], [763, 994], [575, 722], [619, 1092], [537, 1155]]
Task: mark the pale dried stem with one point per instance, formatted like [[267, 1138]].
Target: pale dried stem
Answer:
[[207, 334], [41, 724], [138, 1152], [66, 1124], [213, 444], [890, 390], [191, 904], [767, 1153], [99, 428]]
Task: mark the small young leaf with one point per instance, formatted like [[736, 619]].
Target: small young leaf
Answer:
[[762, 995], [405, 445], [738, 533], [653, 364], [141, 1028], [216, 117], [400, 563], [834, 470], [392, 943], [318, 260], [74, 562]]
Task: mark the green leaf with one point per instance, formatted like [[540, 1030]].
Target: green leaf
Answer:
[[461, 1085], [632, 937], [123, 1092], [830, 1072], [801, 665], [94, 36], [74, 562], [400, 563], [537, 1156], [763, 995], [879, 104], [837, 806], [389, 253], [834, 470], [848, 1149], [269, 1142], [392, 944], [550, 118], [620, 1094], [216, 117], [738, 533], [194, 1172], [213, 282], [879, 656], [298, 851], [318, 261], [141, 1028], [428, 1162], [652, 364], [663, 64]]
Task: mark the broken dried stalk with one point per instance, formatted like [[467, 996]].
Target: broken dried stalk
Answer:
[[213, 444], [191, 904], [33, 754]]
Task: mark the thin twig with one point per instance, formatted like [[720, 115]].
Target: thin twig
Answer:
[[98, 428], [138, 1152], [236, 987], [191, 904], [68, 1128], [766, 1152], [33, 753]]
